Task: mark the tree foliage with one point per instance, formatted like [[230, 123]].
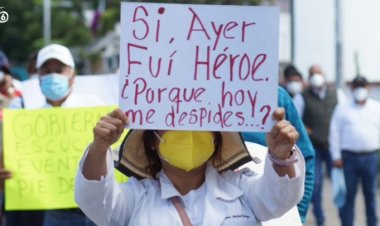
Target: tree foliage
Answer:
[[22, 34], [19, 35]]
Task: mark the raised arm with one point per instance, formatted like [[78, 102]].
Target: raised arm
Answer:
[[281, 140], [106, 132], [97, 193], [281, 186]]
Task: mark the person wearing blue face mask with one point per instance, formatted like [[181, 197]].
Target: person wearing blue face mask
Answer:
[[56, 73]]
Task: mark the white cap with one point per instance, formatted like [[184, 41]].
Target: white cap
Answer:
[[55, 51]]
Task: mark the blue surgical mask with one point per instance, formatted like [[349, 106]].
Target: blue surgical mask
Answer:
[[55, 86]]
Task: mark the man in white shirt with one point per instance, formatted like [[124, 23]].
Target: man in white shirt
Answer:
[[354, 143]]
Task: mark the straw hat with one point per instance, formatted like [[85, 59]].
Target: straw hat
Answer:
[[133, 162]]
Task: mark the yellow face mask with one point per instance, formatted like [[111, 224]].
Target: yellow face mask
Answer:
[[186, 150]]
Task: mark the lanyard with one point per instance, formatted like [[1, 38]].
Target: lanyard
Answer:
[[181, 211]]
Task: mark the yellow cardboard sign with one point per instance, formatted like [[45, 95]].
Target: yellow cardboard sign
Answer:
[[42, 149]]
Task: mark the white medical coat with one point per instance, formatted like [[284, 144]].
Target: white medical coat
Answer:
[[235, 198]]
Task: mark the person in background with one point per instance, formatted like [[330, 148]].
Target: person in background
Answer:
[[304, 143], [293, 80], [10, 93], [9, 87], [354, 144], [18, 102], [56, 74], [19, 217], [56, 71], [316, 105]]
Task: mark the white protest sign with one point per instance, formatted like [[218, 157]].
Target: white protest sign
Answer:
[[199, 67]]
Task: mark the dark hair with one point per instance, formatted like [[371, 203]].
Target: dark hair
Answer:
[[154, 162], [359, 81], [291, 71]]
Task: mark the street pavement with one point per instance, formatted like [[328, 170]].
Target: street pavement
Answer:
[[331, 212]]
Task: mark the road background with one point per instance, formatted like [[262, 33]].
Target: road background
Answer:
[[331, 212]]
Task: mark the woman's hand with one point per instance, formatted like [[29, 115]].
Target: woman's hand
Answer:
[[106, 132], [282, 137], [108, 129]]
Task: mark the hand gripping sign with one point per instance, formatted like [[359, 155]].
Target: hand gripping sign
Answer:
[[199, 67]]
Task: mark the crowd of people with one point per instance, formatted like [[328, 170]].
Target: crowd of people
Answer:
[[345, 133], [317, 128]]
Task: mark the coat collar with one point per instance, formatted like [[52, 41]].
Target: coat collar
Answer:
[[216, 186], [219, 192], [167, 188], [219, 187]]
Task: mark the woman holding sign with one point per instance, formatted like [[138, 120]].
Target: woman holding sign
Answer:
[[185, 177]]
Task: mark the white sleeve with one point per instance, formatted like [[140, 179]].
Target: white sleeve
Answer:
[[271, 196], [334, 133], [103, 201]]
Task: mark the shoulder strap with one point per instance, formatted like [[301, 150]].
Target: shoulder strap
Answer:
[[181, 211]]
